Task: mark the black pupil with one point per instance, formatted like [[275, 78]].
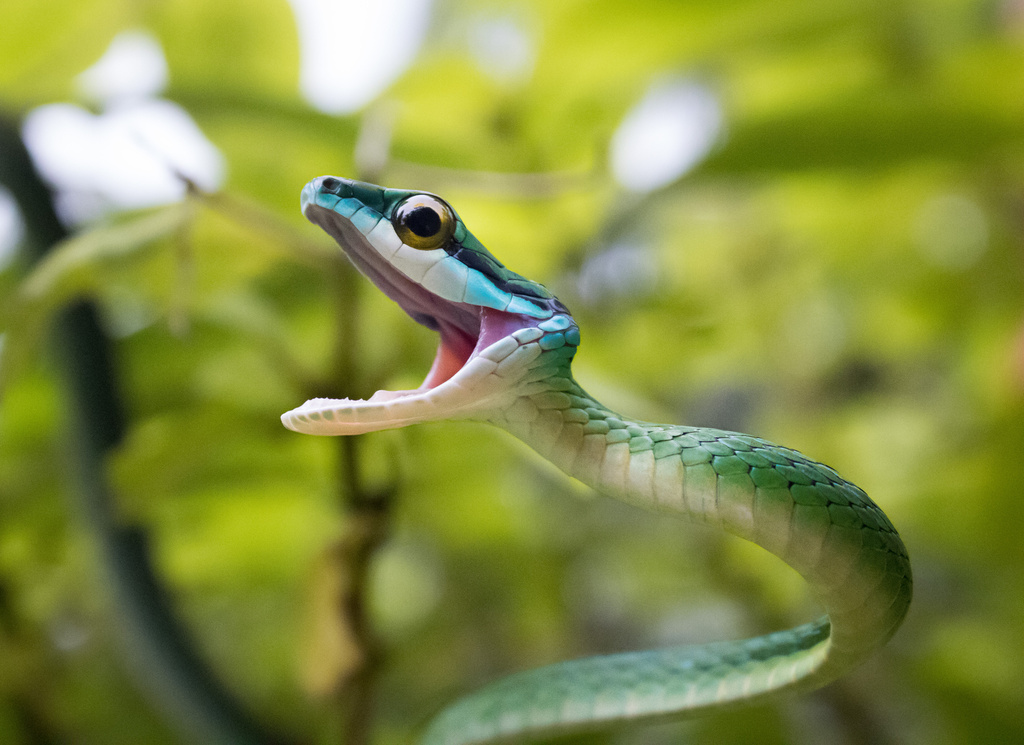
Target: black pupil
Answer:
[[423, 221], [330, 184]]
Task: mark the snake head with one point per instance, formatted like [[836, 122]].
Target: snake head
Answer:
[[502, 336]]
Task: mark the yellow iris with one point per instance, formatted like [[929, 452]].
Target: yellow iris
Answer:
[[424, 222]]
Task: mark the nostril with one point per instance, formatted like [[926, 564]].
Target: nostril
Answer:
[[331, 184]]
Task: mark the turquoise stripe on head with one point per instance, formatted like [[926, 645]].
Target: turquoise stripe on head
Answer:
[[481, 291], [365, 219], [478, 278]]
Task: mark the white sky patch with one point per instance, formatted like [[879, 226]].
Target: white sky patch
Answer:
[[133, 67], [952, 231], [351, 50], [669, 132], [125, 158], [502, 48], [12, 229], [130, 155]]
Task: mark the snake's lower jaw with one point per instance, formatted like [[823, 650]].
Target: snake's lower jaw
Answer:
[[342, 416], [485, 384]]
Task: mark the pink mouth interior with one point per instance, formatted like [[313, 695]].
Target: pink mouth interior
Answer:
[[457, 347]]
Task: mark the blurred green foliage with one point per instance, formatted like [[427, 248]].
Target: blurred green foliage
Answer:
[[844, 274]]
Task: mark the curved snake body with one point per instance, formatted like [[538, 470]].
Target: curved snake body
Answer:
[[505, 354]]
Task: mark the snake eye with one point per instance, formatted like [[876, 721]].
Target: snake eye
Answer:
[[424, 222]]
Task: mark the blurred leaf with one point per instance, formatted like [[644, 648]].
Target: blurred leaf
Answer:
[[239, 46], [813, 281], [44, 44]]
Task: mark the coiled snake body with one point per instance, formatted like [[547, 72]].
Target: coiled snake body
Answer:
[[506, 347]]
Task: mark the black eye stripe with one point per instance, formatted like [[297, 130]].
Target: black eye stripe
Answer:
[[481, 263]]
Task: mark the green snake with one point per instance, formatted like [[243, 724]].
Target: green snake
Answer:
[[505, 354]]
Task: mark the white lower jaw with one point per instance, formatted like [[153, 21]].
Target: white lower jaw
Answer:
[[343, 416], [481, 386]]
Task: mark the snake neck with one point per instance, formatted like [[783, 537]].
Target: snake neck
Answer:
[[583, 437]]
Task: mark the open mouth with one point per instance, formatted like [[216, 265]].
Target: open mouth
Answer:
[[465, 330]]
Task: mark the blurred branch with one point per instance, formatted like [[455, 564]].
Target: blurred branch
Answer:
[[373, 160], [494, 183], [367, 525], [266, 223], [345, 656], [347, 652], [155, 645]]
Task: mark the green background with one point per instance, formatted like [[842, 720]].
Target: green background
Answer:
[[844, 274]]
